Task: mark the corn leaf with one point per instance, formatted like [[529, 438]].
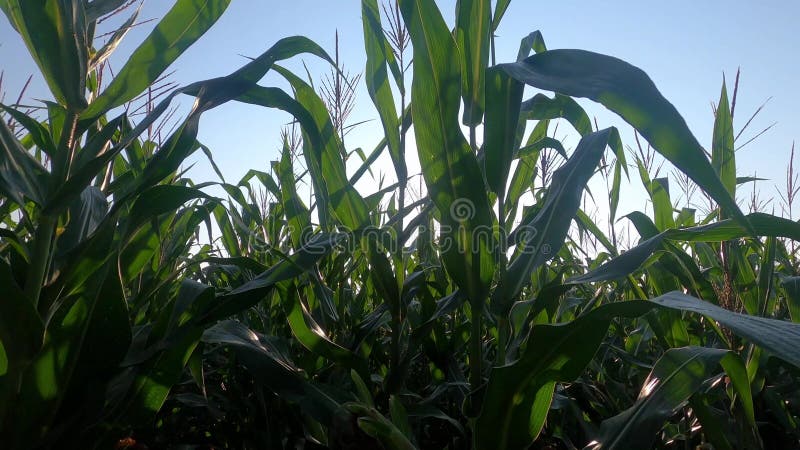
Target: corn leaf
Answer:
[[377, 81], [472, 32], [545, 234], [723, 154], [449, 165], [269, 365], [629, 92], [503, 97], [181, 27], [571, 346], [55, 33], [630, 261], [675, 377]]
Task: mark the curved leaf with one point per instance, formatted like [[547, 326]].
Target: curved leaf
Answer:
[[181, 27], [629, 92], [675, 377], [545, 234], [55, 33], [630, 261]]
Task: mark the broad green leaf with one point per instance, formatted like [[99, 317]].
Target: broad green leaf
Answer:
[[264, 358], [50, 376], [55, 33], [250, 293], [503, 97], [472, 32], [776, 336], [181, 27], [723, 156], [37, 131], [508, 401], [540, 239], [21, 176], [21, 328], [312, 337], [572, 345], [560, 106], [533, 41], [86, 214], [377, 81], [159, 200], [297, 215], [628, 262], [791, 287], [662, 204], [174, 336], [629, 92], [374, 424], [675, 377], [543, 143], [449, 165]]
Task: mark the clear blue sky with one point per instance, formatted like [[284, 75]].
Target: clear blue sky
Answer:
[[685, 46]]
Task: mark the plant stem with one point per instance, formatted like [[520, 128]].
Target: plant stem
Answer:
[[476, 349], [45, 231]]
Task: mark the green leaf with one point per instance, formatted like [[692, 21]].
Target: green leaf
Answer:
[[312, 337], [297, 215], [159, 200], [629, 92], [37, 132], [250, 293], [85, 215], [174, 336], [533, 41], [325, 162], [675, 377], [377, 81], [181, 27], [374, 424], [572, 345], [506, 415], [542, 107], [99, 8], [55, 33], [628, 262], [472, 32], [503, 97], [51, 375], [21, 176], [499, 12], [662, 204], [791, 287], [723, 156], [449, 165], [263, 357], [776, 336], [113, 42], [540, 239], [21, 328]]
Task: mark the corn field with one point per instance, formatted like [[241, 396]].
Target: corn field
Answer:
[[490, 310]]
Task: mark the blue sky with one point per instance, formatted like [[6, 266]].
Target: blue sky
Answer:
[[684, 46]]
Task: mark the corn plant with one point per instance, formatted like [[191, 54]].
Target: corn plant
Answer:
[[470, 318]]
